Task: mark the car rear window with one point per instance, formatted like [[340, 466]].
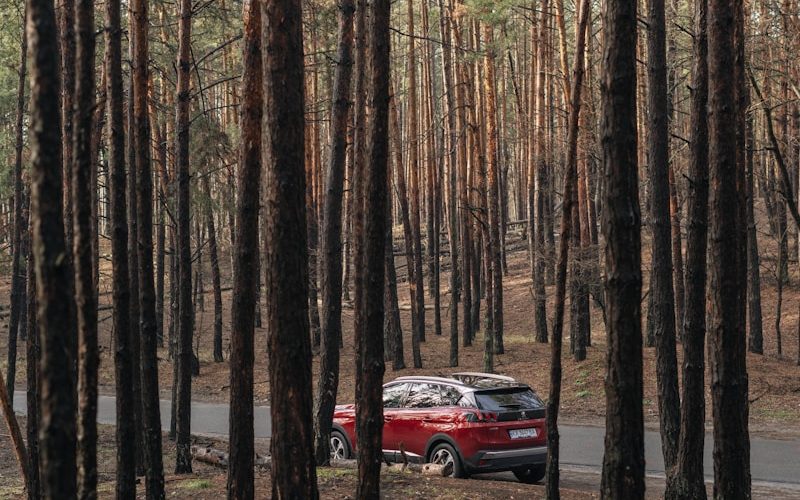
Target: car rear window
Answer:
[[510, 399]]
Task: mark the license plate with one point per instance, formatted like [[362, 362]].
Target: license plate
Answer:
[[522, 433]]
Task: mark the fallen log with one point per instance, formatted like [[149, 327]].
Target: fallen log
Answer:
[[220, 459]]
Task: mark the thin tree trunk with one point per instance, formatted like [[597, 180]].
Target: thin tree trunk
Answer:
[[289, 345], [246, 270], [123, 354], [17, 279], [536, 177], [568, 208], [369, 375], [493, 177], [215, 277], [183, 462], [452, 176], [662, 291], [331, 247], [418, 294], [148, 355], [85, 294], [756, 335], [33, 403], [688, 480]]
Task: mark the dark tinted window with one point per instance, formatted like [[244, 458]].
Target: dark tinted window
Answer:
[[393, 395], [508, 400], [424, 396], [450, 396]]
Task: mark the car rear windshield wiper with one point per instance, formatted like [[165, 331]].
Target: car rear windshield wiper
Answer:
[[511, 405]]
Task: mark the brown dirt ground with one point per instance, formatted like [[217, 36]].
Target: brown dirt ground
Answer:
[[208, 483], [774, 382]]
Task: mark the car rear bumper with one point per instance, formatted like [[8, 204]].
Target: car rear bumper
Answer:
[[499, 460]]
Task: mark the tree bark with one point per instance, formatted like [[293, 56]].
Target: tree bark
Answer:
[[415, 279], [661, 289], [289, 345], [57, 433], [536, 178], [246, 261], [85, 293], [369, 375], [215, 276], [17, 269], [726, 332], [33, 404], [331, 247], [183, 463], [623, 461], [568, 207], [493, 177], [688, 480], [123, 355]]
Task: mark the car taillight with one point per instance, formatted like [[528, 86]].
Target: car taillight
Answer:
[[483, 416]]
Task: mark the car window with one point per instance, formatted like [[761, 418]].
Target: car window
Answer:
[[450, 396], [393, 395], [423, 395], [508, 400]]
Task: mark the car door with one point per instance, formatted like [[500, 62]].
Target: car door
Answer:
[[412, 423], [394, 396]]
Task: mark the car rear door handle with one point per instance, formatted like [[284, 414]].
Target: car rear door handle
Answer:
[[387, 418]]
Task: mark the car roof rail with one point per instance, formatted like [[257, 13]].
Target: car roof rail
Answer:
[[428, 378], [474, 375]]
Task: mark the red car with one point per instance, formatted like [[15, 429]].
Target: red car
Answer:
[[479, 422]]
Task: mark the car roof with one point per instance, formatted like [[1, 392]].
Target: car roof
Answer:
[[466, 380]]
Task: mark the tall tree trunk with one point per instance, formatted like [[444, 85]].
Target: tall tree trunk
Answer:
[[215, 277], [662, 291], [406, 220], [133, 268], [85, 294], [623, 461], [756, 336], [33, 403], [568, 209], [183, 408], [536, 178], [688, 480], [445, 18], [726, 332], [123, 354], [369, 375], [415, 278], [246, 268], [17, 442], [493, 176], [148, 355], [289, 345], [17, 278], [57, 433], [331, 247]]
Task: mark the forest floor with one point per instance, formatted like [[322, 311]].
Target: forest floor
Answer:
[[209, 483], [774, 381]]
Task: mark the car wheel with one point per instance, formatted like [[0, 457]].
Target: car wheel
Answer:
[[530, 474], [444, 454], [339, 448]]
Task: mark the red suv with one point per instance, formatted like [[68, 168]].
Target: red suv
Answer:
[[479, 422]]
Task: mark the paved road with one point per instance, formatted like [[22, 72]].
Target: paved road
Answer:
[[772, 461]]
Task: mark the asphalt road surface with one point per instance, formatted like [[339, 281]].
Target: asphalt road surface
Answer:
[[772, 461]]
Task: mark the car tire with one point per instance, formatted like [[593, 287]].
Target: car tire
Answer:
[[340, 449], [530, 474], [444, 453]]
